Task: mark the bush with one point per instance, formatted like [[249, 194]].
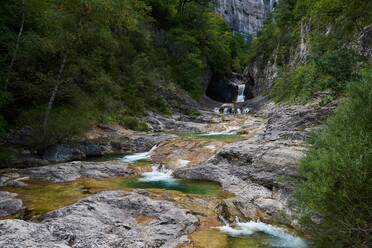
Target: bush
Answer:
[[64, 125], [133, 123], [159, 104], [297, 85], [337, 173]]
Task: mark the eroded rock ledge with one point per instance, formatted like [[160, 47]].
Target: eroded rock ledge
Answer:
[[66, 172], [261, 172], [107, 219]]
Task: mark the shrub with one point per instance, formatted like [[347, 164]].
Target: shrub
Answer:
[[133, 123], [159, 104], [337, 173], [297, 85]]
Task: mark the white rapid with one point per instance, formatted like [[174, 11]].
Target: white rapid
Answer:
[[158, 173], [241, 96], [139, 156], [279, 236]]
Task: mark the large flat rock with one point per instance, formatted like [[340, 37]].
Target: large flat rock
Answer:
[[67, 172], [107, 219]]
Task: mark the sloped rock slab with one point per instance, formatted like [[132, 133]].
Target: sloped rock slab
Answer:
[[107, 219], [68, 172]]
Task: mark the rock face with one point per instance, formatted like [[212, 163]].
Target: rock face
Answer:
[[9, 204], [101, 140], [226, 90], [245, 16], [261, 171], [264, 71], [122, 143], [108, 219], [66, 172], [175, 123], [365, 42], [222, 90]]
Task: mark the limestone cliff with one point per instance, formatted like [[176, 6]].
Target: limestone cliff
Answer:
[[245, 16]]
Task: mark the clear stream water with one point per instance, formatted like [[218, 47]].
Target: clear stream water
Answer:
[[42, 197], [241, 235]]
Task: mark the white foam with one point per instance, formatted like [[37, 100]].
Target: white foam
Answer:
[[241, 96], [280, 237], [158, 173], [139, 156]]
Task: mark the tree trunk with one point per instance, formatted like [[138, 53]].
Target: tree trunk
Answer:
[[18, 40], [54, 92]]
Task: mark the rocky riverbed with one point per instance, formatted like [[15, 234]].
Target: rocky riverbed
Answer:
[[253, 157]]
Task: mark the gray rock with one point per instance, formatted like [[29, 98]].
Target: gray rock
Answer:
[[365, 42], [246, 17], [70, 171], [261, 171], [107, 219], [161, 123], [63, 153], [9, 204]]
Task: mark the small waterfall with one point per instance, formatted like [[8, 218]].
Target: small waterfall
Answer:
[[226, 111], [158, 173], [139, 156], [280, 237], [241, 96]]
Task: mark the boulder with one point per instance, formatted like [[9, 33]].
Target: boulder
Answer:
[[107, 219], [63, 153], [9, 204]]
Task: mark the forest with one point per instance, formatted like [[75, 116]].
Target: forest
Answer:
[[67, 65]]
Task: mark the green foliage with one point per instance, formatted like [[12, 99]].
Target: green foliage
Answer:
[[297, 85], [326, 100], [64, 124], [133, 123], [330, 62], [159, 104], [337, 173], [118, 55]]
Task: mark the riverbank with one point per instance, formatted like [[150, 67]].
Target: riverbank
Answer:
[[253, 158]]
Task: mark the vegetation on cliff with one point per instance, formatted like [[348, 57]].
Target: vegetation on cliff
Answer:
[[338, 173], [66, 65], [313, 45]]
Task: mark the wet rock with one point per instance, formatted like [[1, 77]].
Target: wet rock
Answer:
[[174, 123], [63, 153], [261, 172], [222, 90], [106, 219], [9, 204], [269, 206], [72, 171], [120, 143]]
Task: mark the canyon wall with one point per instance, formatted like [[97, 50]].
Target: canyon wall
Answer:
[[245, 16]]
